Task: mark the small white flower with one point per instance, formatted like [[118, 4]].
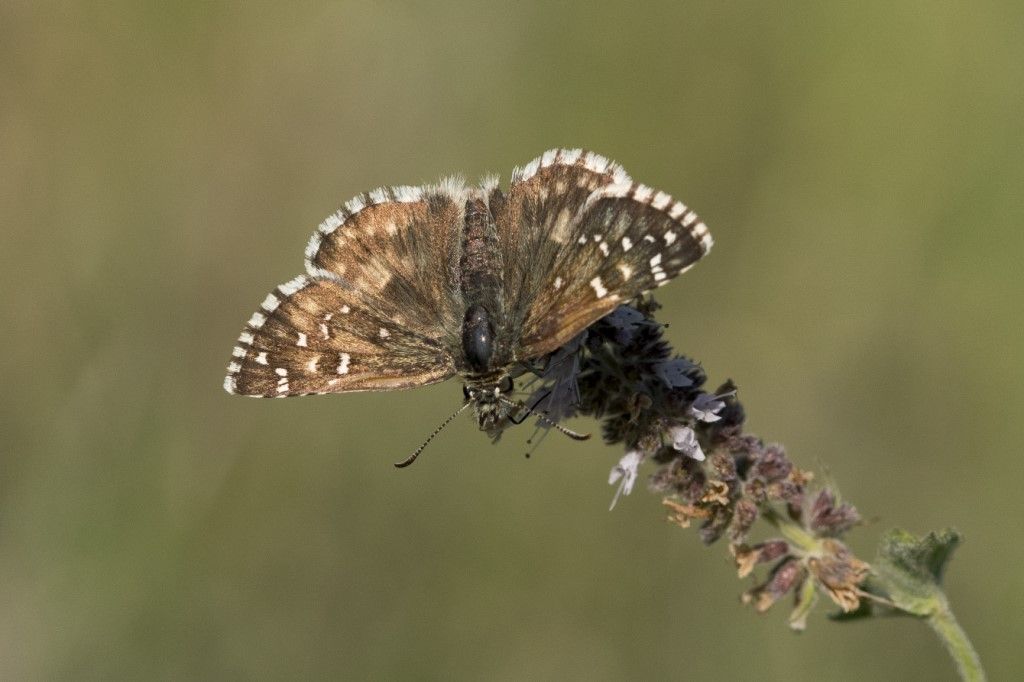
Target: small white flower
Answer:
[[707, 406], [685, 441], [626, 469]]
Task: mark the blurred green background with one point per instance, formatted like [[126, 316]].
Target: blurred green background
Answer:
[[162, 166]]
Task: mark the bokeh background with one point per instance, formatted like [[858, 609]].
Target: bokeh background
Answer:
[[162, 166]]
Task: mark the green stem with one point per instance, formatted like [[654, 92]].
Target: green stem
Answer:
[[793, 532], [957, 644]]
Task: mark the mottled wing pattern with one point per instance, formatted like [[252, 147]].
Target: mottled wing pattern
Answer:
[[314, 336], [377, 310], [398, 248], [381, 306], [535, 223], [625, 239]]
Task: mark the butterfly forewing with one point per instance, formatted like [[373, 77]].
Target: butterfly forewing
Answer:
[[313, 336], [378, 309]]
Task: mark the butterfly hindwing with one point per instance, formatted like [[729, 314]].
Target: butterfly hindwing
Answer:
[[535, 222], [624, 239], [397, 249]]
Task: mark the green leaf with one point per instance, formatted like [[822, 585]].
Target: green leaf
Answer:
[[909, 569]]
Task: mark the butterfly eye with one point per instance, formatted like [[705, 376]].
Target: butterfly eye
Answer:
[[506, 384], [465, 393]]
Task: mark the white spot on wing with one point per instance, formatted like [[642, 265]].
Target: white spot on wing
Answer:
[[453, 187], [246, 338], [595, 162], [705, 237], [689, 218], [598, 287], [303, 340], [407, 194], [343, 361], [677, 210], [660, 201], [293, 285], [616, 190], [627, 244], [489, 183], [311, 365], [262, 358], [231, 384], [379, 195], [384, 333], [656, 270], [234, 367], [238, 352], [570, 156], [670, 238], [558, 282], [560, 230], [313, 246], [526, 172], [604, 248], [257, 320], [270, 303], [355, 205], [626, 271], [280, 371], [331, 223], [642, 193], [345, 310]]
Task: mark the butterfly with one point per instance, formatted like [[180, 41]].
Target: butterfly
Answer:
[[408, 286]]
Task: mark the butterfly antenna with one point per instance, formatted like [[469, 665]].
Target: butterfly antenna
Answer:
[[547, 420], [412, 458]]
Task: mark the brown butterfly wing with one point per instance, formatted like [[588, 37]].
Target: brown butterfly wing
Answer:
[[581, 239]]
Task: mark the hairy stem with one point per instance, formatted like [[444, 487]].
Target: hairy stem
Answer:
[[957, 644]]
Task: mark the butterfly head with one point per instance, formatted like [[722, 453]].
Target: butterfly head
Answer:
[[492, 403]]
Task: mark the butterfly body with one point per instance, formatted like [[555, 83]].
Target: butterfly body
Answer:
[[408, 286], [486, 350]]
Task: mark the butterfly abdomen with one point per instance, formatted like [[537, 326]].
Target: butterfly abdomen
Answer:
[[480, 264]]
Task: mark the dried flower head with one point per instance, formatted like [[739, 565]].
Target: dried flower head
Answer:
[[622, 372]]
